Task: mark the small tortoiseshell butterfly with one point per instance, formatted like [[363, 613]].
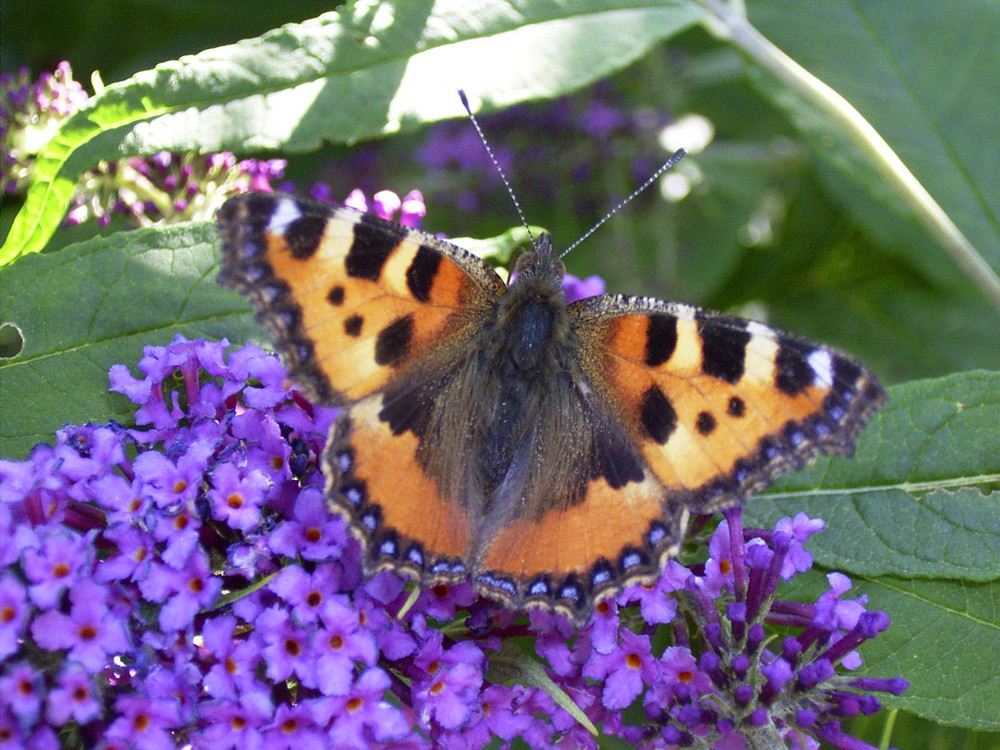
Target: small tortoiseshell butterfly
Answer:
[[550, 451]]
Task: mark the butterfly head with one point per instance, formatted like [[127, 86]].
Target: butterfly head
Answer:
[[539, 266]]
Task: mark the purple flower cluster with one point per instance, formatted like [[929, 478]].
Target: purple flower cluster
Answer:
[[183, 583], [164, 188], [30, 114], [546, 165], [167, 187], [760, 696]]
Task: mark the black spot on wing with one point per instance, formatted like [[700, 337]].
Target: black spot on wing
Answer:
[[705, 423], [661, 339], [737, 407], [393, 342], [374, 241], [657, 415], [335, 296], [304, 234], [420, 275], [793, 374], [723, 347], [352, 326]]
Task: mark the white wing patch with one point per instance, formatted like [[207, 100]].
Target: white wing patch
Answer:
[[821, 363], [285, 212]]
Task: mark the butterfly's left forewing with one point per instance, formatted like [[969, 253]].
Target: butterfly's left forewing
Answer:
[[351, 299]]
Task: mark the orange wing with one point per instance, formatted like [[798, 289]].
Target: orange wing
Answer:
[[711, 408], [376, 480], [719, 406], [351, 299], [571, 558]]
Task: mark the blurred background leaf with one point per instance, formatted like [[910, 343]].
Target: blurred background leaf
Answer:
[[362, 72]]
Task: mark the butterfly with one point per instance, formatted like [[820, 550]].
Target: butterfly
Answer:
[[550, 452]]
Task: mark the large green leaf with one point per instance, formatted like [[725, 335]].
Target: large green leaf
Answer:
[[914, 520], [918, 498], [941, 640], [921, 75], [360, 72], [97, 303], [950, 628]]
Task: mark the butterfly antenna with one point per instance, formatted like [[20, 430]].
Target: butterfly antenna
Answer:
[[677, 156], [493, 158]]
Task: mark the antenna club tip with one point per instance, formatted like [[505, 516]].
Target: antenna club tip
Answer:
[[464, 98]]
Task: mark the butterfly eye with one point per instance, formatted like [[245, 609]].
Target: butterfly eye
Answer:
[[540, 260], [525, 259]]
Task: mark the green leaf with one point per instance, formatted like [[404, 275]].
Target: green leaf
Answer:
[[499, 250], [361, 72], [97, 303], [919, 77], [948, 632], [916, 499], [914, 520], [942, 640], [228, 597]]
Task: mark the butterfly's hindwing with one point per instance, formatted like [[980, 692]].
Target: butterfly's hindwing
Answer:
[[395, 508]]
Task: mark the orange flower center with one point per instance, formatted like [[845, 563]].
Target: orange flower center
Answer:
[[87, 633]]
